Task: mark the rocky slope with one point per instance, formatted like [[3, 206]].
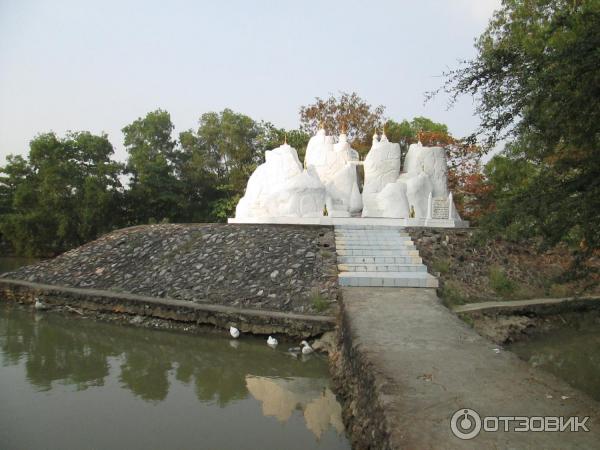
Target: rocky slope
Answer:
[[272, 267]]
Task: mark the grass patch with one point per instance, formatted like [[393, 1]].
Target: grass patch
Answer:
[[467, 319], [500, 283], [441, 265], [318, 302], [326, 254], [560, 290], [452, 295]]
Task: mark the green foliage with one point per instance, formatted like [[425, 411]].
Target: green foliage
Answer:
[[406, 133], [154, 192], [318, 302], [441, 265], [452, 294], [537, 83], [219, 157], [67, 192], [500, 283]]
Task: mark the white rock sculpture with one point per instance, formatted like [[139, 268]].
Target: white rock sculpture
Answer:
[[382, 166], [333, 164], [426, 174], [280, 187], [432, 161], [392, 200]]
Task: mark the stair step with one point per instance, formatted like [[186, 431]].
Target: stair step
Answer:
[[372, 235], [376, 252], [368, 227], [388, 279], [382, 267], [379, 259], [374, 239], [374, 246]]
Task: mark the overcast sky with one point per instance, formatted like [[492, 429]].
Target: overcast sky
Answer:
[[99, 65]]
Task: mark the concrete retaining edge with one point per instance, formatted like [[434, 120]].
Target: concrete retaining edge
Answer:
[[218, 316]]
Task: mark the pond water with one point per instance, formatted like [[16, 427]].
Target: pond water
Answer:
[[9, 263], [73, 383], [571, 352]]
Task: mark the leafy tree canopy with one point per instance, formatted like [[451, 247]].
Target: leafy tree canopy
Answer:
[[66, 193], [346, 111], [536, 81]]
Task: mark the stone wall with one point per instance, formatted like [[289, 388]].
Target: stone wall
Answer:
[[265, 267]]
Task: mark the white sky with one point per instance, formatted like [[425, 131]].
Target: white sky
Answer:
[[97, 66]]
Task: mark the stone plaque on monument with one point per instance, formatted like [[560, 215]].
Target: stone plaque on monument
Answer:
[[439, 208]]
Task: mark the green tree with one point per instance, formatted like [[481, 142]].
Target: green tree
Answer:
[[221, 155], [406, 133], [155, 190], [272, 137], [536, 81], [66, 193]]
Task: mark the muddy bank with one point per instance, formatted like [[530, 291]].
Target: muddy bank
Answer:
[[512, 322]]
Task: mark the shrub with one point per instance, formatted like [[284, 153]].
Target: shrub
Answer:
[[441, 265], [318, 302], [452, 295], [500, 283]]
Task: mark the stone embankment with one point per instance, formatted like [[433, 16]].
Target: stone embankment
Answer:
[[258, 277]]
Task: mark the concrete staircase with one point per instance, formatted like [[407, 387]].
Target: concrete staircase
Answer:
[[372, 255]]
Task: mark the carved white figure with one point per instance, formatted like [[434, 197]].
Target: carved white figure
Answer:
[[382, 166], [426, 174], [392, 200], [432, 161], [280, 187], [333, 164]]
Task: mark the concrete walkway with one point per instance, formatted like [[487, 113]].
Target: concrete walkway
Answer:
[[518, 304], [427, 364]]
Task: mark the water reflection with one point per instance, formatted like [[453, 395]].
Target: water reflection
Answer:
[[10, 263], [571, 353], [82, 354], [281, 397]]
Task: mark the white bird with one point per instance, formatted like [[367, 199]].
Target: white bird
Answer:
[[38, 304], [306, 349], [234, 332], [272, 341]]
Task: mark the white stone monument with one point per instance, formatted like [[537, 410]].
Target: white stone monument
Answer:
[[282, 191], [382, 166], [280, 187], [335, 166]]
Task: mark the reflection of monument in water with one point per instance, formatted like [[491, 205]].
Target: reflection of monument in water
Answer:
[[326, 190], [280, 397]]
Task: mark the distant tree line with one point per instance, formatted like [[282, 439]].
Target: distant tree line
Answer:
[[536, 84], [70, 190]]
